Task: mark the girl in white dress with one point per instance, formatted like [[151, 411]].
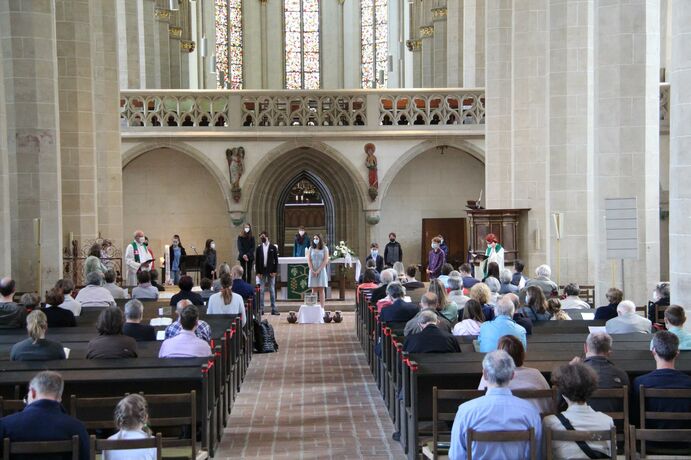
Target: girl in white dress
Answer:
[[317, 260]]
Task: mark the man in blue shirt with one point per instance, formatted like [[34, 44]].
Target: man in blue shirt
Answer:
[[498, 410], [503, 324], [44, 419], [246, 290]]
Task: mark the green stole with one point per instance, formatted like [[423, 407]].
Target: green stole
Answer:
[[485, 263]]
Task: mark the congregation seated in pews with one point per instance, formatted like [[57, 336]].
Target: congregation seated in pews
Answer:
[[597, 414]]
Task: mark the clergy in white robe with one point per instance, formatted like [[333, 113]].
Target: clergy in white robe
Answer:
[[137, 257]]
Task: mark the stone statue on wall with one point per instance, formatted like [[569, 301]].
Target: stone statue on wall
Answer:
[[371, 164], [236, 165]]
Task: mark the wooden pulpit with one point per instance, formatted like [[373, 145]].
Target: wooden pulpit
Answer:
[[504, 223]]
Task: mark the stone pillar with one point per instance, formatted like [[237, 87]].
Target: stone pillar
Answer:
[[129, 33], [427, 55], [440, 38], [252, 42], [107, 120], [152, 73], [680, 154], [517, 157], [77, 152], [174, 56], [415, 47], [473, 54], [5, 200], [627, 45], [330, 44], [161, 46], [27, 31], [455, 44], [571, 139]]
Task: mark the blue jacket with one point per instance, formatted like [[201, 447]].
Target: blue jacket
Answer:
[[398, 312], [44, 420], [243, 288], [607, 312]]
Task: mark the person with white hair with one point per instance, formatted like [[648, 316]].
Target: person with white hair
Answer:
[[628, 320], [387, 276], [137, 257], [502, 324], [543, 281], [505, 278], [497, 410], [94, 294]]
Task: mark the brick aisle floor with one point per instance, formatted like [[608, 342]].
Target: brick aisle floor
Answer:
[[315, 398]]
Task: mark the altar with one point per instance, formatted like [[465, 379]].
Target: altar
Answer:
[[294, 275]]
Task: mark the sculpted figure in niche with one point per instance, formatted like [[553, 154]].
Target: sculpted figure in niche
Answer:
[[371, 164], [236, 165]]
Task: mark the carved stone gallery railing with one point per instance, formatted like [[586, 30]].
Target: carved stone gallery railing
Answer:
[[664, 107], [437, 109]]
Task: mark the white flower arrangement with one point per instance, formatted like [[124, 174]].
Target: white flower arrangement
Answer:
[[341, 250]]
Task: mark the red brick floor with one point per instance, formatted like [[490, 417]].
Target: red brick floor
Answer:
[[315, 398]]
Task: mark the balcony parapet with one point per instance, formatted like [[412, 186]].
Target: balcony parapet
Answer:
[[438, 110]]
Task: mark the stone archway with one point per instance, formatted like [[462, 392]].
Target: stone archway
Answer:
[[327, 197], [269, 188]]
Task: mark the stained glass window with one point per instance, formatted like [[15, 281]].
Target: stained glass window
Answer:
[[374, 34], [302, 44], [228, 43]]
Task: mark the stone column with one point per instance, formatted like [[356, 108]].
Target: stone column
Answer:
[[517, 158], [440, 38], [5, 199], [75, 84], [129, 33], [174, 56], [415, 47], [455, 43], [161, 46], [330, 44], [152, 73], [27, 31], [627, 134], [427, 55], [473, 43], [276, 50], [680, 154], [107, 120], [571, 139]]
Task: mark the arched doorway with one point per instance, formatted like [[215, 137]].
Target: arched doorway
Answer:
[[305, 201], [344, 219]]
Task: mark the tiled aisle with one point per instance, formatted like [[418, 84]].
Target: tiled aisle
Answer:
[[315, 398]]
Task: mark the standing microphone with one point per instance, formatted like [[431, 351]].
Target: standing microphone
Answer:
[[195, 250]]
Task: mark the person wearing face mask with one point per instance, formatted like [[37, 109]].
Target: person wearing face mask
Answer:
[[436, 259], [301, 243], [443, 246], [374, 255], [137, 257], [392, 251], [209, 264], [246, 246], [266, 265], [176, 255], [317, 260]]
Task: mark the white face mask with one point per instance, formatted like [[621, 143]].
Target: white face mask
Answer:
[[175, 242], [140, 239], [374, 252], [212, 245], [435, 245], [247, 229], [302, 233], [316, 241]]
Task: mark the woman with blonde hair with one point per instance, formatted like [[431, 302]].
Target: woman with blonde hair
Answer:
[[482, 293], [449, 309], [131, 416], [400, 271], [37, 347], [554, 309]]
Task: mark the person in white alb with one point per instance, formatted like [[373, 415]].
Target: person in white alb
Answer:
[[137, 257]]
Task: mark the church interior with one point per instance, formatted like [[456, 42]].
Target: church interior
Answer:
[[446, 160]]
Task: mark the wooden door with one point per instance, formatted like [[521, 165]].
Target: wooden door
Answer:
[[455, 237]]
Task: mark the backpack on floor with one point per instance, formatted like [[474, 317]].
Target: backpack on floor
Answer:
[[264, 338]]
